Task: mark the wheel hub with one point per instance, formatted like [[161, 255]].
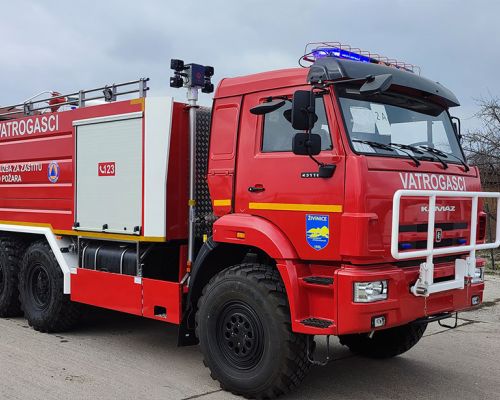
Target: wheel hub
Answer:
[[240, 335], [39, 284]]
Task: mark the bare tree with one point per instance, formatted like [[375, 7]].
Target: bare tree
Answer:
[[482, 145]]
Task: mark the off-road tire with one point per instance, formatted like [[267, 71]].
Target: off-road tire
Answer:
[[11, 253], [244, 299], [44, 303], [385, 343]]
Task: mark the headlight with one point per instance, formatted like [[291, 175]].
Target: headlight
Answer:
[[478, 275], [366, 292]]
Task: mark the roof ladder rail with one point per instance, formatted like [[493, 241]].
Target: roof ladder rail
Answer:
[[108, 93]]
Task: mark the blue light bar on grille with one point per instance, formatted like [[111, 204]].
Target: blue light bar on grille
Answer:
[[340, 53]]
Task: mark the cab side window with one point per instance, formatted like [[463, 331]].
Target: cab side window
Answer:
[[278, 132]]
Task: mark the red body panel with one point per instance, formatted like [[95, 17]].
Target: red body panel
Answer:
[[177, 179], [222, 157], [309, 300], [254, 231], [128, 294], [38, 200], [108, 290], [162, 294], [28, 195], [401, 307]]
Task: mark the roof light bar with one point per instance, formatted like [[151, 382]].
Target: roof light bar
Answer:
[[314, 51], [339, 53]]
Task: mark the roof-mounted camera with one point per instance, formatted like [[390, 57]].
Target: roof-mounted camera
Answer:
[[191, 76]]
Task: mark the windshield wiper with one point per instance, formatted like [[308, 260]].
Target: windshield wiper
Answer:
[[390, 147], [435, 154], [445, 155], [404, 147], [376, 145], [414, 149]]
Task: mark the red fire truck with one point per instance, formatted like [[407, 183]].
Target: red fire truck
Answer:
[[333, 199]]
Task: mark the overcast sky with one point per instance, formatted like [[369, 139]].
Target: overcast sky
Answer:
[[66, 46]]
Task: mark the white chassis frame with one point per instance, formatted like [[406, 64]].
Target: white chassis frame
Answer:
[[464, 268]]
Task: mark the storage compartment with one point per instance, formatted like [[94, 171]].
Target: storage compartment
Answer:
[[109, 174]]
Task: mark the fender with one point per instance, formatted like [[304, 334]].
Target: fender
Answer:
[[249, 230], [56, 243], [233, 234], [239, 232]]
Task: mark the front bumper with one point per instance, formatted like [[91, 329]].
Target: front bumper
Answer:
[[401, 306]]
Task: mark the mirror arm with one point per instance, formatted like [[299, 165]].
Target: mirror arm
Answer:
[[320, 164], [324, 170]]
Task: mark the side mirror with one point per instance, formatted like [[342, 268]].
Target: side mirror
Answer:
[[306, 144], [267, 107], [376, 84], [303, 115]]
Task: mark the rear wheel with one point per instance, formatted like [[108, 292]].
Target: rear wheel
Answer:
[[45, 305], [11, 252], [385, 343], [243, 324]]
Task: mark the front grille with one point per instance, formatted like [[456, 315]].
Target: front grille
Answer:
[[422, 244], [417, 262], [445, 226]]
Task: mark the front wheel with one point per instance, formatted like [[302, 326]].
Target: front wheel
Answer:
[[243, 324], [385, 343]]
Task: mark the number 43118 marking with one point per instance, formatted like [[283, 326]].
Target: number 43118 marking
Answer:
[[106, 168]]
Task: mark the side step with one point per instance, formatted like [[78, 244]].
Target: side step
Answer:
[[318, 280], [317, 323]]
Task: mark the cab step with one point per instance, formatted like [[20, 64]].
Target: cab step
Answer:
[[318, 280], [317, 322]]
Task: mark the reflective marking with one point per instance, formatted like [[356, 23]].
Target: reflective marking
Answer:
[[221, 203], [333, 208]]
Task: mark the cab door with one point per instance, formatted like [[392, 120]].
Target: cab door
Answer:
[[284, 188]]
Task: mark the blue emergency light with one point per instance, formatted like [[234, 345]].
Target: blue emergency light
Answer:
[[340, 53]]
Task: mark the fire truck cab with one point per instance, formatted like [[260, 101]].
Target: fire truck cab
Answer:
[[328, 200]]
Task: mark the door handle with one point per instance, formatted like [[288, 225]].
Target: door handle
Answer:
[[256, 188]]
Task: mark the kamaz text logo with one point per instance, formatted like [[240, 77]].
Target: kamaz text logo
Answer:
[[423, 181], [425, 209]]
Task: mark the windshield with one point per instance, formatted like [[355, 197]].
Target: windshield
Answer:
[[371, 121]]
